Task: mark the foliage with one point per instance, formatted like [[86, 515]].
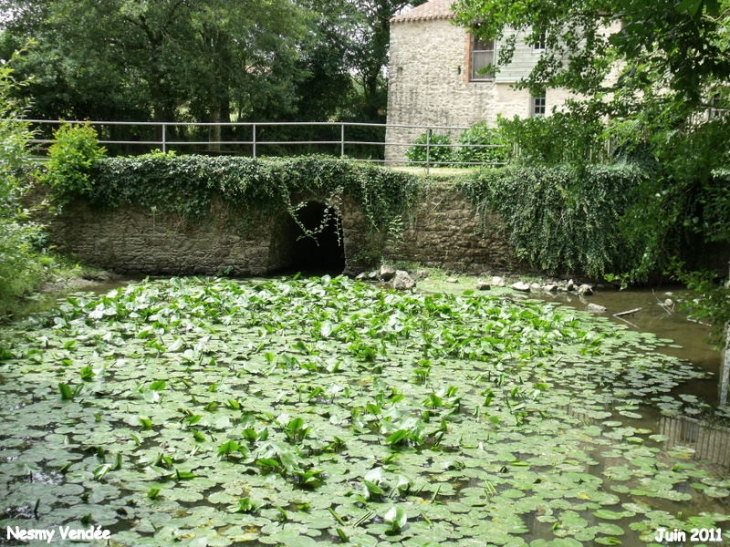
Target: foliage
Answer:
[[21, 267], [660, 71], [71, 157], [431, 149], [198, 414], [169, 57], [679, 47], [369, 54], [480, 144], [206, 61], [562, 219], [681, 209], [573, 137], [711, 304], [188, 184]]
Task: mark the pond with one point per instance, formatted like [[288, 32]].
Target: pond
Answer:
[[325, 411]]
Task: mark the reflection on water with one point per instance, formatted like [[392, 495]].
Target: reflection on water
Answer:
[[708, 441], [667, 322], [659, 316]]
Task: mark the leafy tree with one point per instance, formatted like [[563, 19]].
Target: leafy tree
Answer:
[[682, 46], [655, 67], [661, 70], [326, 86], [369, 55], [125, 59], [208, 60]]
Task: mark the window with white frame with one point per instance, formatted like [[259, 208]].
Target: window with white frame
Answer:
[[538, 105], [539, 44], [482, 60]]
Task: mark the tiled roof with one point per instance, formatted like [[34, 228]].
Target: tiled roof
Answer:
[[434, 9]]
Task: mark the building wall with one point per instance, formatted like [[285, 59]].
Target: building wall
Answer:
[[429, 84]]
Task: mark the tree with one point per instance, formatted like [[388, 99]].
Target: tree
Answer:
[[370, 54], [659, 72], [657, 69], [682, 46], [162, 60]]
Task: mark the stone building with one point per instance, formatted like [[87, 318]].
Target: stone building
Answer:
[[436, 78]]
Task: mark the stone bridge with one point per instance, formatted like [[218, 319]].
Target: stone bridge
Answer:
[[443, 230]]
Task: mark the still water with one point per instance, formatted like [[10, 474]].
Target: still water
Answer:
[[661, 314], [663, 319]]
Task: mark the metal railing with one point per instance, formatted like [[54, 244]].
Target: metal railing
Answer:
[[361, 141]]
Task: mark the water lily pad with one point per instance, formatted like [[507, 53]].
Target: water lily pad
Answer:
[[607, 514], [526, 432]]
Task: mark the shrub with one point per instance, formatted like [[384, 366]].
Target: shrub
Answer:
[[70, 159], [481, 145], [20, 266], [431, 149], [573, 137]]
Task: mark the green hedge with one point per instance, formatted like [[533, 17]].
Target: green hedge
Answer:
[[562, 220]]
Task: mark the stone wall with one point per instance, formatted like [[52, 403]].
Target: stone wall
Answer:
[[137, 240], [442, 230]]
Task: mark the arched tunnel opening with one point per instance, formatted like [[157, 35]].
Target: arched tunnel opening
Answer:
[[321, 253]]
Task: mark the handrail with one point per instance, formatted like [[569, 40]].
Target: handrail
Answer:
[[166, 138]]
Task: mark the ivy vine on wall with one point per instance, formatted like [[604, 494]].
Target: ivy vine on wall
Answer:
[[187, 184], [562, 219]]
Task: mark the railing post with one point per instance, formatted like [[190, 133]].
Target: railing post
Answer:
[[253, 138], [164, 138], [428, 149], [342, 140]]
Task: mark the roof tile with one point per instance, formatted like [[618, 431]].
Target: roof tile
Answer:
[[434, 9]]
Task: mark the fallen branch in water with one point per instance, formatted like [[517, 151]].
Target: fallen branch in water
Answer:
[[626, 321], [627, 312], [693, 320]]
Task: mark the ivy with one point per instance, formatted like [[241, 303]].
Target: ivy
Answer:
[[188, 184], [561, 219]]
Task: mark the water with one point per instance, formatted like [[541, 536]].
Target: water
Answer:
[[667, 322]]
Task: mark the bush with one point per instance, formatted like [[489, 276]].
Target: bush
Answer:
[[71, 157], [481, 145], [433, 151], [573, 137], [21, 267]]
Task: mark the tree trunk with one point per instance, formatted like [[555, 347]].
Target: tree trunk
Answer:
[[214, 131]]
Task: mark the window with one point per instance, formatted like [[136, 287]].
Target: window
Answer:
[[482, 59], [716, 112], [538, 106], [539, 44]]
